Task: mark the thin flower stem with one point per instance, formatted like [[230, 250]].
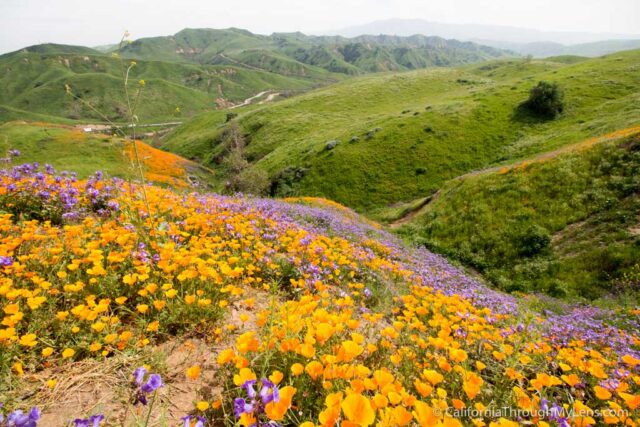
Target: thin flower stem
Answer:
[[132, 124], [153, 400]]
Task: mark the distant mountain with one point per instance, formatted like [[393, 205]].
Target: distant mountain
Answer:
[[302, 55], [408, 27], [521, 40], [545, 49], [203, 69]]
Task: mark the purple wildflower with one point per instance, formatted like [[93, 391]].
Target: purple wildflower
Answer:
[[92, 421], [240, 406], [199, 421], [18, 418], [248, 387], [153, 383], [269, 392], [139, 374]]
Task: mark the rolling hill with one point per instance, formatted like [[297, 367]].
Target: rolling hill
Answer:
[[377, 141], [302, 55], [400, 136], [34, 81]]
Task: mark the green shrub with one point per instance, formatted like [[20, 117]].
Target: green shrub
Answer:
[[535, 240], [546, 99]]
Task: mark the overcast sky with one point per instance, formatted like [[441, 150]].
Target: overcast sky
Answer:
[[96, 22]]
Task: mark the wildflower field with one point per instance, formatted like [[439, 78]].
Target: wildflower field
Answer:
[[311, 315]]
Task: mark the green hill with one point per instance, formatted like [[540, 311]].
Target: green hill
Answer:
[[198, 70], [34, 80], [53, 48], [402, 136]]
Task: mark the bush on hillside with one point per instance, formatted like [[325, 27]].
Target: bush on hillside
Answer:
[[546, 99], [249, 181], [533, 241], [242, 177]]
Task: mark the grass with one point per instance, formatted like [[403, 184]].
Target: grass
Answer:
[[566, 224]]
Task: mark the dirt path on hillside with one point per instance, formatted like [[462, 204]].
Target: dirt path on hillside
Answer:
[[249, 100], [408, 217], [242, 64]]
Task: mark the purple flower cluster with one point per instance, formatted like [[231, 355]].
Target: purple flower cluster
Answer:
[[18, 418], [256, 400], [10, 155], [6, 261], [554, 413], [143, 255], [34, 194], [153, 383], [92, 421], [193, 421]]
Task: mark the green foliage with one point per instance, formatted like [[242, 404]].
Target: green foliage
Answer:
[[546, 99], [533, 241], [241, 178], [563, 225], [285, 182]]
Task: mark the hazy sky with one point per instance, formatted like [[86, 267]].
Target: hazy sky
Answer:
[[95, 22]]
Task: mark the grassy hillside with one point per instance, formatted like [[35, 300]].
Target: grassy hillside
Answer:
[[565, 223], [402, 136], [34, 81], [69, 148]]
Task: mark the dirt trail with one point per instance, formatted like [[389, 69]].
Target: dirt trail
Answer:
[[249, 100], [406, 218], [242, 64]]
